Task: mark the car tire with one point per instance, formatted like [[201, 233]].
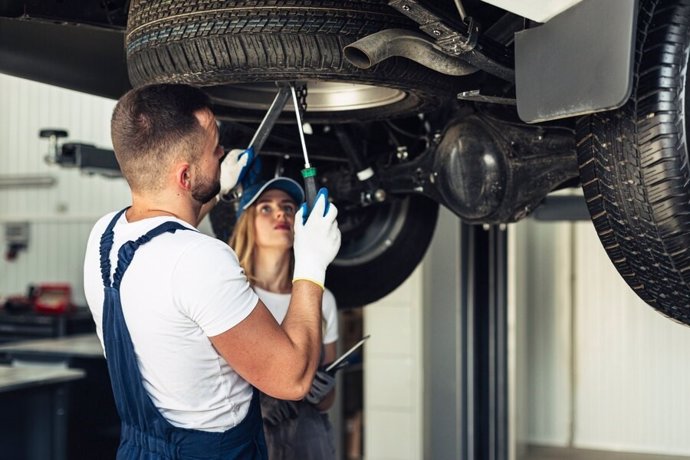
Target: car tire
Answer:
[[381, 250], [634, 165], [239, 49]]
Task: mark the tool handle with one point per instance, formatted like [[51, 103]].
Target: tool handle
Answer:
[[274, 111], [309, 176]]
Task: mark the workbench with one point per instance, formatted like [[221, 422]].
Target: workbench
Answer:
[[35, 411], [93, 424], [51, 349], [33, 325]]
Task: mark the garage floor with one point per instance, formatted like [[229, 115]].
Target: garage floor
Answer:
[[551, 453]]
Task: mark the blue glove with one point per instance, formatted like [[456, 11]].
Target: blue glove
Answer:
[[251, 174], [322, 385]]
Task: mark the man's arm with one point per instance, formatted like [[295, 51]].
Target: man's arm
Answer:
[[330, 350], [280, 361]]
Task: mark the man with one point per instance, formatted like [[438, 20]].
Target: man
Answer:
[[185, 337]]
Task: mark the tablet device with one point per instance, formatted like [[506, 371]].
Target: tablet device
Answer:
[[335, 363]]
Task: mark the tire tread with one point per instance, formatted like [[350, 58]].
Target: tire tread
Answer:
[[634, 166], [206, 43]]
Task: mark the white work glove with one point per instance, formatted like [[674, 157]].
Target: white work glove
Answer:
[[316, 241], [233, 167]]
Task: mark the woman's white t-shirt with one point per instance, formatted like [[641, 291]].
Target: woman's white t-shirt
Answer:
[[278, 304]]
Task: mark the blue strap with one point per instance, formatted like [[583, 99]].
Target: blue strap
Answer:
[[106, 246], [127, 250]]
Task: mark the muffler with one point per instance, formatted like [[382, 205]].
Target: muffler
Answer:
[[372, 49]]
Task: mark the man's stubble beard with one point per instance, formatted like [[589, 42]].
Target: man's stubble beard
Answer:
[[204, 192]]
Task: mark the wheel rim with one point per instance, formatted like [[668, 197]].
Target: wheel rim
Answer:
[[372, 231], [321, 96]]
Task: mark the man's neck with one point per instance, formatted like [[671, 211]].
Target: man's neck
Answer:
[[144, 207]]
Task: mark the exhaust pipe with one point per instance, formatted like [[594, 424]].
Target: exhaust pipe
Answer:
[[372, 49]]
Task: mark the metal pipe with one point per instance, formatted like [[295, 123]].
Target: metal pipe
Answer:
[[372, 49], [461, 9]]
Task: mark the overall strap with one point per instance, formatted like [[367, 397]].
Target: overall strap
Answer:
[[106, 246], [127, 250]]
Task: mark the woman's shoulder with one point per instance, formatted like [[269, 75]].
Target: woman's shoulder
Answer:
[[328, 296]]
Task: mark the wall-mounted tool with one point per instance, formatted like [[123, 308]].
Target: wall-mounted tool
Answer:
[[88, 158], [16, 238]]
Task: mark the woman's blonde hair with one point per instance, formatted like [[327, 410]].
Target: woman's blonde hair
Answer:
[[242, 242]]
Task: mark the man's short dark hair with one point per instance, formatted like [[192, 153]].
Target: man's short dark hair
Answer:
[[153, 125]]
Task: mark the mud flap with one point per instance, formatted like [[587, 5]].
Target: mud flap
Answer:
[[579, 62]]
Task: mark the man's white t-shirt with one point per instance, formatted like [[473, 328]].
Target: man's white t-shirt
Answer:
[[278, 304], [180, 289]]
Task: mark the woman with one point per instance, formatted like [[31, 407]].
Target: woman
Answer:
[[262, 239]]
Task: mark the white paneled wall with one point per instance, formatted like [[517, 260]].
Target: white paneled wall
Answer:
[[60, 216], [633, 365], [603, 369], [393, 374], [544, 262]]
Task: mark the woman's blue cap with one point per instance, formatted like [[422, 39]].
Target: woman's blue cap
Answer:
[[253, 192]]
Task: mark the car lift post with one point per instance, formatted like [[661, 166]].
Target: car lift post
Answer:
[[484, 352], [467, 399]]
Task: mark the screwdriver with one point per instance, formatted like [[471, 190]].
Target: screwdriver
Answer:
[[309, 172]]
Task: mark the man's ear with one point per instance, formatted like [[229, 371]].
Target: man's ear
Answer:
[[183, 176]]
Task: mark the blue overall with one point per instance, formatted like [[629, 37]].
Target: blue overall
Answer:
[[146, 434]]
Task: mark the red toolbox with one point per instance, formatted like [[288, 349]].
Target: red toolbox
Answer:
[[52, 297]]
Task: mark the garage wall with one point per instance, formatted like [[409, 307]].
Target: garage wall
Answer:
[[633, 365], [604, 370], [60, 216], [542, 265], [393, 373]]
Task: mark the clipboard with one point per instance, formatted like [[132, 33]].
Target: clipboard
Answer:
[[340, 362]]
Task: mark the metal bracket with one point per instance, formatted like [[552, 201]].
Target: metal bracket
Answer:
[[301, 91], [453, 41], [463, 40]]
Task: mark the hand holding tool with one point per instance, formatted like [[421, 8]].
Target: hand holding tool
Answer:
[[232, 169], [309, 172], [317, 240]]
